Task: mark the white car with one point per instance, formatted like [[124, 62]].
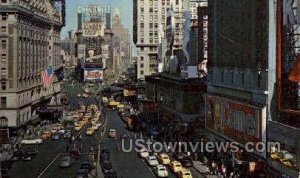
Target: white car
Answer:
[[161, 171], [96, 126], [33, 141], [152, 161], [143, 152]]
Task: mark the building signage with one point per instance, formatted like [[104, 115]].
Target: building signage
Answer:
[[93, 9], [93, 29], [238, 121], [93, 74], [129, 92]]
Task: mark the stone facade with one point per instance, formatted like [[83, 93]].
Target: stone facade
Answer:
[[30, 42]]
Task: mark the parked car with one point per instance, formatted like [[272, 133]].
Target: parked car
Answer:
[[106, 165], [96, 126], [112, 133], [104, 155], [175, 166], [152, 161], [31, 151], [161, 171], [75, 153], [86, 165], [66, 162], [178, 155], [185, 173], [82, 173], [110, 174], [164, 158], [186, 161]]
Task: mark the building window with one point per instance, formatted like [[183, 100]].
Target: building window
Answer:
[[3, 85], [177, 2], [142, 48], [141, 65], [156, 25], [151, 25], [3, 102], [151, 9], [142, 25], [142, 10], [151, 40], [142, 58], [3, 1], [142, 40], [142, 72], [4, 17], [3, 29], [3, 44]]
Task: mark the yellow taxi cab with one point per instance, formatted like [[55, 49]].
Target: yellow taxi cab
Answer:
[[275, 155], [79, 123], [78, 128], [90, 131], [46, 134], [185, 173], [164, 158], [175, 166]]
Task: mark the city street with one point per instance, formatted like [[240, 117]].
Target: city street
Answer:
[[128, 165]]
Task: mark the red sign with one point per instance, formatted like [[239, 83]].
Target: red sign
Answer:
[[238, 121]]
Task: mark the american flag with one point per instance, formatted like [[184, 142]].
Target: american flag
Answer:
[[47, 77]]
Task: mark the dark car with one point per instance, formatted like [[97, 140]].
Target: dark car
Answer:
[[17, 156], [66, 162], [32, 152], [178, 155], [56, 136], [67, 134], [110, 174], [106, 165], [82, 173], [104, 155], [186, 161], [86, 165]]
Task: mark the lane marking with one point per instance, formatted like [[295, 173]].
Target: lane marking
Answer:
[[148, 168], [49, 165]]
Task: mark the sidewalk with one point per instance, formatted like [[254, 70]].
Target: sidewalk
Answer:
[[202, 169]]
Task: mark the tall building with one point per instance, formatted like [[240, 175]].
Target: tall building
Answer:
[[30, 43], [121, 44], [90, 12], [147, 17]]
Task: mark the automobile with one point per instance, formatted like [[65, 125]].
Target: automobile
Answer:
[[98, 113], [31, 151], [53, 130], [75, 153], [90, 131], [287, 158], [17, 156], [24, 155], [175, 166], [96, 126], [178, 155], [67, 134], [56, 136], [106, 165], [78, 95], [110, 174], [84, 95], [104, 155], [164, 158], [58, 126], [186, 161], [78, 128], [112, 133], [32, 141], [86, 119], [46, 135], [78, 123], [86, 165], [143, 152], [161, 171], [185, 173], [61, 131], [67, 161], [152, 161], [82, 173]]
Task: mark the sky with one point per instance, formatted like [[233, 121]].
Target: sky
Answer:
[[125, 7]]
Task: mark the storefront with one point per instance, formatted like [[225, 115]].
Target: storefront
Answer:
[[230, 121]]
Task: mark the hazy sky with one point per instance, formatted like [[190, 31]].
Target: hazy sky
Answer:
[[71, 12]]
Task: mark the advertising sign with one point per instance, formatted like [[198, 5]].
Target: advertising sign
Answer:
[[93, 74], [238, 121], [93, 29]]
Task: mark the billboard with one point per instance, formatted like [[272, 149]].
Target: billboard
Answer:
[[93, 74], [93, 29], [237, 121]]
